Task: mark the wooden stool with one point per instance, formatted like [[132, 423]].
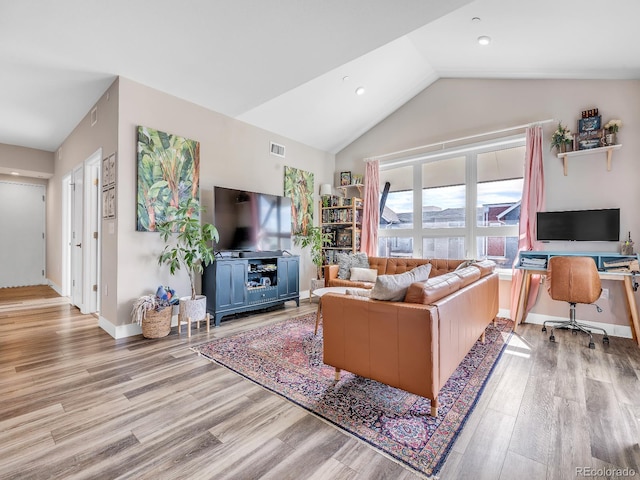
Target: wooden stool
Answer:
[[206, 319]]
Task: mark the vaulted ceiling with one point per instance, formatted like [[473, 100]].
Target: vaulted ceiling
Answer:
[[291, 66]]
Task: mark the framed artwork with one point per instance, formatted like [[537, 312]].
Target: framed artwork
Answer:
[[109, 202], [589, 124], [168, 176], [590, 139], [105, 172], [298, 186], [345, 178]]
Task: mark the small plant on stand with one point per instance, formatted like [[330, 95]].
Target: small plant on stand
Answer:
[[192, 250]]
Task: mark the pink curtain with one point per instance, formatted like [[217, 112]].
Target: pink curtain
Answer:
[[371, 209], [532, 202]]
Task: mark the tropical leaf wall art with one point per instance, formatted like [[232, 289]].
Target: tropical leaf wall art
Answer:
[[168, 176], [298, 185]]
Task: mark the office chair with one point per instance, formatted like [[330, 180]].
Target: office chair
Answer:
[[574, 280]]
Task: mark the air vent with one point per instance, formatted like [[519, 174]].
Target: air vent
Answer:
[[277, 150], [94, 116]]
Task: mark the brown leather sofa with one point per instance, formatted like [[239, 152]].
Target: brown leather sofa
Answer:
[[389, 266], [414, 345]]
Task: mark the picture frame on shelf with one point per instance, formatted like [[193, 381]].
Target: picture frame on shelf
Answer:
[[590, 124], [590, 139], [357, 179], [345, 179]]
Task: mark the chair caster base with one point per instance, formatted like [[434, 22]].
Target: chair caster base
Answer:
[[544, 329], [605, 340], [552, 338], [592, 345]]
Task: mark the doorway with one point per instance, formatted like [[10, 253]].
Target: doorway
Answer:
[[22, 236], [81, 247]]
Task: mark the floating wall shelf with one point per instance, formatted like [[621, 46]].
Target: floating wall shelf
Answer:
[[578, 153]]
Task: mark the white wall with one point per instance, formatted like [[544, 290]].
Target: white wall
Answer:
[[453, 108], [232, 154]]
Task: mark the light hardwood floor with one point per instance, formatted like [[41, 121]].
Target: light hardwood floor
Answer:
[[75, 403]]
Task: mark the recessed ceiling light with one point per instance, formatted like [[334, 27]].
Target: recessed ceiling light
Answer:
[[475, 19], [360, 91], [484, 40], [15, 173], [345, 78]]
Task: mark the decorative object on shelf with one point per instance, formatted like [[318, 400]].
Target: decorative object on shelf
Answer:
[[168, 176], [612, 127], [325, 193], [562, 138], [314, 239], [153, 313], [298, 186], [357, 179], [590, 133], [192, 249], [345, 179], [627, 246]]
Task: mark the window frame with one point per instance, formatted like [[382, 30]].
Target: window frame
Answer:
[[471, 231]]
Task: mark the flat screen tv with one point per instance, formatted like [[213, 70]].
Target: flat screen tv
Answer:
[[580, 225], [251, 221]]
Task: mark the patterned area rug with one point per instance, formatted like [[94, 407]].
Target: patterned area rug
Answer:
[[286, 358]]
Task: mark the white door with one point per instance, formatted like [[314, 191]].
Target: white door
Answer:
[[76, 237], [22, 243]]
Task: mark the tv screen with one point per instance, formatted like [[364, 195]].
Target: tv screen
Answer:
[[580, 225], [250, 221]]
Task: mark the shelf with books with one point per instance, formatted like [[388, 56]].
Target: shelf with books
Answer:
[[341, 218]]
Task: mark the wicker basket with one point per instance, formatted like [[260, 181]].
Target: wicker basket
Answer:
[[157, 323]]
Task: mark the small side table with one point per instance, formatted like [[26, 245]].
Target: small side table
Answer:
[[319, 293], [315, 285]]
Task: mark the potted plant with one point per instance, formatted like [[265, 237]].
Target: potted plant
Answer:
[[191, 250], [153, 314], [314, 239], [561, 138]]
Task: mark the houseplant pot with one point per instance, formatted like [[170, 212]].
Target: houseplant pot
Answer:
[[193, 308], [192, 248]]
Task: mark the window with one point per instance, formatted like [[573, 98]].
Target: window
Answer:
[[469, 204]]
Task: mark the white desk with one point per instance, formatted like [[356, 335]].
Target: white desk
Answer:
[[599, 258]]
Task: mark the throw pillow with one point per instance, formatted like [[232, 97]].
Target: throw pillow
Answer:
[[465, 264], [359, 292], [348, 260], [394, 287], [359, 274]]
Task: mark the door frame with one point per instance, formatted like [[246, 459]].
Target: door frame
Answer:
[[90, 258]]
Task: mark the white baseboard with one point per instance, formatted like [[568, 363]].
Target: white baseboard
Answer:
[[55, 287], [538, 319]]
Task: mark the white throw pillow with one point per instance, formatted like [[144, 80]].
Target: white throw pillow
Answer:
[[359, 274], [359, 292], [394, 287]]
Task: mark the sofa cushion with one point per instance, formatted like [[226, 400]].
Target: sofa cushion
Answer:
[[433, 289], [359, 274], [486, 267], [468, 274], [348, 260], [394, 287]]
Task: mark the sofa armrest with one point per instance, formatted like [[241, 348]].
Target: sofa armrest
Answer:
[[330, 273]]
